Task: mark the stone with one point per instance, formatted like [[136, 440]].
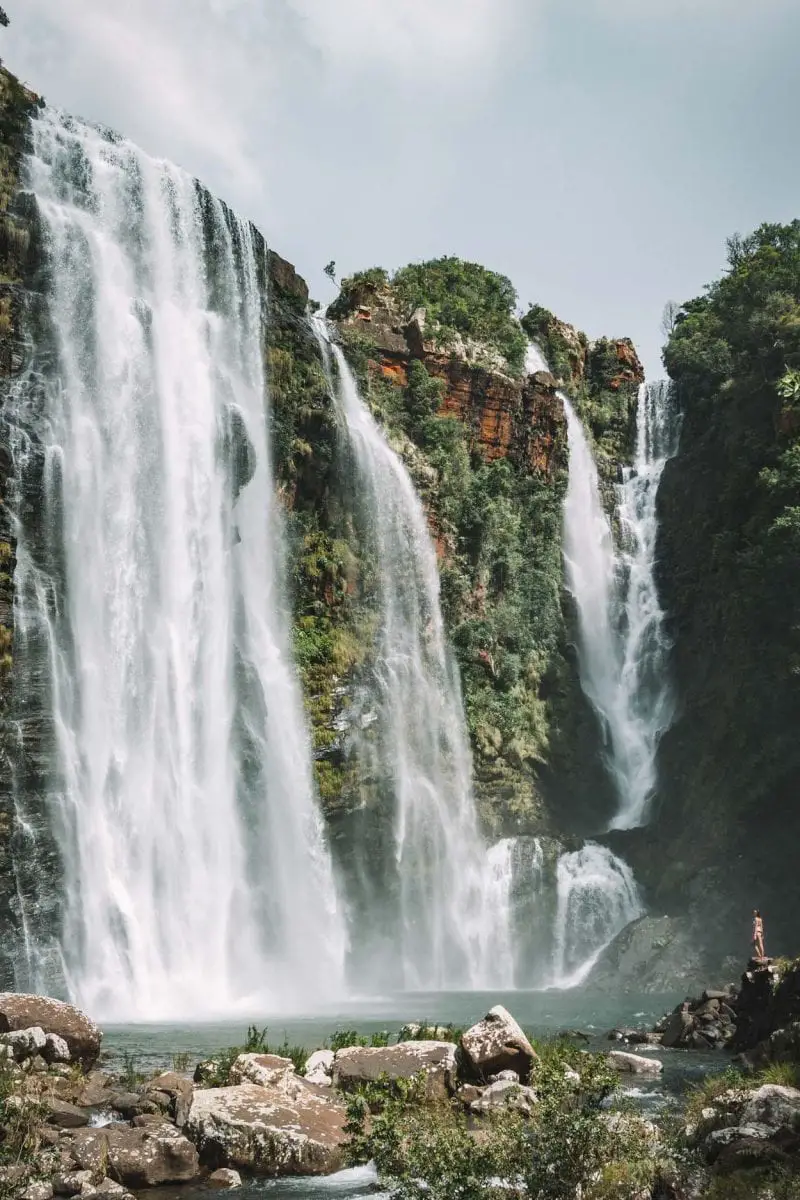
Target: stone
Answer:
[[39, 1190], [356, 1065], [70, 1182], [55, 1049], [505, 1094], [510, 1076], [634, 1064], [128, 1104], [267, 1070], [138, 1157], [266, 1131], [66, 1116], [225, 1177], [468, 1093], [25, 1043], [178, 1090], [22, 1011], [319, 1068], [773, 1105], [497, 1043], [676, 1028]]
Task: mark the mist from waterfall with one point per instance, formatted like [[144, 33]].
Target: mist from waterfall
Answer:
[[195, 875], [451, 925]]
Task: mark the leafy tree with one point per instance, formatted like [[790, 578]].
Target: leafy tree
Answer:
[[3, 17], [330, 270]]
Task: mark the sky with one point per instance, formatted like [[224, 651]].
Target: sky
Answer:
[[598, 152]]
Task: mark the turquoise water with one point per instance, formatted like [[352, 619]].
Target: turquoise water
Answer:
[[542, 1014]]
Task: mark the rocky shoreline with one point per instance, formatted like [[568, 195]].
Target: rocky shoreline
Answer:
[[69, 1127]]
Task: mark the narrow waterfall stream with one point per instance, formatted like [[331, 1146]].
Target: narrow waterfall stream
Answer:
[[622, 647], [193, 874], [453, 913]]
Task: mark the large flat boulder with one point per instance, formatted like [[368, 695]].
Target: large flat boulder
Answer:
[[497, 1043], [19, 1010], [269, 1130], [135, 1156], [356, 1065]]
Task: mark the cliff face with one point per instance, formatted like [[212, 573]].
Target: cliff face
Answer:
[[16, 104], [729, 551], [486, 447]]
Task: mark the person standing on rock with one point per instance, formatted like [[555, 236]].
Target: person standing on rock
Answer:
[[758, 935]]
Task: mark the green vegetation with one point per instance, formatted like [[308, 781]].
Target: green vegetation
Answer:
[[730, 547], [461, 299], [569, 1143], [20, 1134]]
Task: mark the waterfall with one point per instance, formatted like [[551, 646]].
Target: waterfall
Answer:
[[622, 647], [194, 872], [596, 898], [451, 924]]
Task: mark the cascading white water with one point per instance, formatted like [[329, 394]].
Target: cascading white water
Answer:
[[196, 878], [453, 920], [597, 898], [622, 646]]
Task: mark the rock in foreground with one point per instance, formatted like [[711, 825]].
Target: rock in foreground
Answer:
[[22, 1011], [497, 1043], [356, 1065], [137, 1157], [268, 1130]]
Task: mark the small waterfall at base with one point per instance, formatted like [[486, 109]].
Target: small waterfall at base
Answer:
[[622, 645], [451, 925], [195, 873], [597, 898]]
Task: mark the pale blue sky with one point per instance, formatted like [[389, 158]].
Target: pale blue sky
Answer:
[[598, 152]]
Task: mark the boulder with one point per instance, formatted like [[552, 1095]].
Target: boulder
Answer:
[[356, 1065], [40, 1190], [138, 1157], [178, 1090], [69, 1183], [25, 1043], [505, 1094], [22, 1011], [634, 1064], [468, 1093], [676, 1028], [772, 1105], [508, 1076], [129, 1104], [224, 1178], [497, 1043], [266, 1131], [319, 1068], [66, 1116], [55, 1049], [267, 1070]]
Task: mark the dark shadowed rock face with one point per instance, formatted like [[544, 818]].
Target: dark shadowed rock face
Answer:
[[21, 1011]]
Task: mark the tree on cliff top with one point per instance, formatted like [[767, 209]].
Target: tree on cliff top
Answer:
[[3, 17]]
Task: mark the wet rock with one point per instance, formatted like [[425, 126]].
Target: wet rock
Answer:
[[319, 1068], [66, 1116], [23, 1011], [266, 1131], [357, 1065], [135, 1156], [497, 1043], [634, 1064], [224, 1178], [505, 1094], [267, 1070]]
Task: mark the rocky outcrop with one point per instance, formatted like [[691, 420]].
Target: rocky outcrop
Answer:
[[497, 1043], [355, 1066], [743, 1129], [81, 1035], [135, 1157], [267, 1130], [634, 1064]]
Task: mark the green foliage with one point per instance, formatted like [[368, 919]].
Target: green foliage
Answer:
[[464, 298], [130, 1075], [784, 1074], [703, 1094], [330, 270], [21, 1117], [357, 289], [570, 1144], [181, 1061]]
